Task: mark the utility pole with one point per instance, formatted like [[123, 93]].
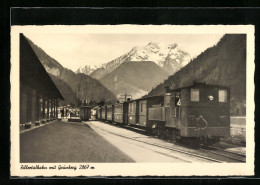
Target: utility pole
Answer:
[[125, 96]]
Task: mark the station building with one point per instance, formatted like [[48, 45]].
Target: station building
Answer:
[[38, 94]]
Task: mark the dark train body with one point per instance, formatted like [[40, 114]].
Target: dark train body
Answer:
[[98, 113], [103, 115], [120, 113], [199, 110], [110, 113], [85, 113]]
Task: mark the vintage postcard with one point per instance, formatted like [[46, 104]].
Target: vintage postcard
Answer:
[[132, 100]]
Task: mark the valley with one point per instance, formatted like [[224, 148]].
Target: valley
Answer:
[[146, 70]]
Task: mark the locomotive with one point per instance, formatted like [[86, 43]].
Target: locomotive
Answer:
[[197, 111]]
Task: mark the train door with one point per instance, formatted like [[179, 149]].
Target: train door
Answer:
[[142, 112], [131, 113], [125, 112], [177, 104]]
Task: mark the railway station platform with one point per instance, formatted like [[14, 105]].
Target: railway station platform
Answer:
[[60, 141], [23, 127]]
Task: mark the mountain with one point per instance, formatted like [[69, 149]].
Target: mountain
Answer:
[[83, 86], [223, 64], [169, 57], [134, 78], [86, 70], [86, 87], [50, 64], [66, 91]]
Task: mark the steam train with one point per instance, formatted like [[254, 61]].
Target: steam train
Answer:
[[198, 111]]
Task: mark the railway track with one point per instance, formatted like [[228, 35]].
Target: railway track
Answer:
[[235, 156], [241, 129], [211, 154], [227, 156], [215, 152]]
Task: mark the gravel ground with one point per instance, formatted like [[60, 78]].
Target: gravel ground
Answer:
[[238, 121], [238, 128], [67, 142]]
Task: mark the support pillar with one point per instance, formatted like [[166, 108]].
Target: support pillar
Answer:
[[48, 111], [33, 107], [57, 105], [55, 109], [51, 109], [39, 107], [23, 105], [29, 105], [53, 106], [43, 108]]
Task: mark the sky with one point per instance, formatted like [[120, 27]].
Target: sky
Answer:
[[74, 50]]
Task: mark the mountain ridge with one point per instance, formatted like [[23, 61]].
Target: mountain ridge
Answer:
[[134, 78], [66, 91], [169, 57], [83, 86], [223, 64]]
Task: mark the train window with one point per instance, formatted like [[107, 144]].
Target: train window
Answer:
[[118, 109], [195, 95], [131, 107], [222, 95], [143, 107]]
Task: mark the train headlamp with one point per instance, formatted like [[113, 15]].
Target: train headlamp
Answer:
[[211, 98]]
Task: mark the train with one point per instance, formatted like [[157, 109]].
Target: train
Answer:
[[199, 111], [85, 113]]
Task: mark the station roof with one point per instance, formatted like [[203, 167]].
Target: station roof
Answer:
[[32, 72]]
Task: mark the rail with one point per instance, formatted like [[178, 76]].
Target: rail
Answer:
[[202, 153], [235, 156], [164, 147]]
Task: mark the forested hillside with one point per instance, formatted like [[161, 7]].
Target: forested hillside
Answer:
[[66, 91], [83, 86], [134, 78], [86, 87], [223, 64]]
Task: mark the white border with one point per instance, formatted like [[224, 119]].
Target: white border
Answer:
[[136, 169]]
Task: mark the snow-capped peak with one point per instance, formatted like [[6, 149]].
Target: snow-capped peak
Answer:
[[170, 57], [86, 69], [160, 54]]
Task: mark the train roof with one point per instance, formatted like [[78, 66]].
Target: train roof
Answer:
[[84, 106], [146, 98], [95, 107], [197, 84], [120, 103]]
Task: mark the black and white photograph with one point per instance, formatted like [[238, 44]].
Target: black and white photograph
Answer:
[[132, 100]]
